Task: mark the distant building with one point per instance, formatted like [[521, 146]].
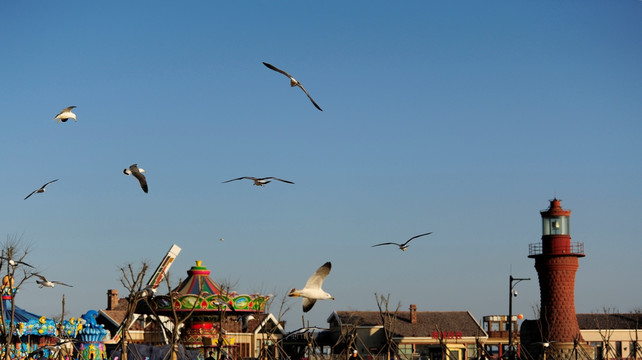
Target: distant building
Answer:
[[421, 335], [613, 336], [496, 326]]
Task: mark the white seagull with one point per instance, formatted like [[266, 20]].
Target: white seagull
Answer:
[[259, 181], [65, 115], [44, 282], [312, 290], [293, 82], [138, 174], [14, 263], [403, 246], [41, 190]]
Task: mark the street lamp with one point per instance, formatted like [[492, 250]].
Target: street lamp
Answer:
[[511, 293]]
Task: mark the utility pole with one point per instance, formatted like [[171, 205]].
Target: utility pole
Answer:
[[511, 293]]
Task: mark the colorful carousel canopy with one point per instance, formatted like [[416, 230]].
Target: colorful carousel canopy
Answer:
[[199, 282], [200, 293], [28, 323]]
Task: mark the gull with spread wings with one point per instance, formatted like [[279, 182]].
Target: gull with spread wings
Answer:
[[138, 174], [293, 82], [260, 181], [46, 283], [65, 115], [403, 246], [312, 290], [41, 190]]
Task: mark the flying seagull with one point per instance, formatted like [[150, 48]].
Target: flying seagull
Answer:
[[14, 263], [403, 246], [259, 181], [65, 115], [44, 282], [41, 190], [293, 82], [138, 174], [312, 290]]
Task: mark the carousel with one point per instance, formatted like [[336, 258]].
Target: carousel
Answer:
[[211, 314], [31, 335]]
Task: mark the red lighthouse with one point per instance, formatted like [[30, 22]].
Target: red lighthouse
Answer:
[[556, 262]]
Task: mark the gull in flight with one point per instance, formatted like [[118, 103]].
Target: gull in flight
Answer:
[[293, 82], [65, 115], [41, 190], [259, 181], [138, 174], [403, 246], [312, 290], [44, 282], [14, 263]]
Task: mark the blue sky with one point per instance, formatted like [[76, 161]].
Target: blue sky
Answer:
[[461, 118]]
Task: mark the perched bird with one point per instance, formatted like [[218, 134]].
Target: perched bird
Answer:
[[259, 181], [138, 174], [41, 190], [148, 291], [14, 263], [312, 290], [65, 115], [44, 282], [403, 246], [293, 82]]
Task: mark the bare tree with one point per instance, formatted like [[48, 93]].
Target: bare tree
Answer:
[[636, 349], [269, 332], [13, 253], [178, 321], [389, 323], [133, 282]]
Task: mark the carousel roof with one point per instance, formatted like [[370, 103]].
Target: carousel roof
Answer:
[[20, 315], [200, 293], [199, 282], [28, 323]]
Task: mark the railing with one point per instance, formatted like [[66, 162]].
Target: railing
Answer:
[[576, 248]]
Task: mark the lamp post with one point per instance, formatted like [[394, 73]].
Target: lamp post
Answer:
[[511, 293]]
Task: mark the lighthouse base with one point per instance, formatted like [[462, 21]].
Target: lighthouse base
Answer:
[[566, 350]]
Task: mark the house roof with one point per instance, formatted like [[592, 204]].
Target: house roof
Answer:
[[117, 314], [428, 322], [609, 321]]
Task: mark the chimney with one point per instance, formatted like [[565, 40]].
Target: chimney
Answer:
[[112, 299], [413, 313]]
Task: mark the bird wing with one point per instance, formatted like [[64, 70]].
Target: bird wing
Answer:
[[308, 304], [277, 70], [41, 277], [386, 243], [309, 97], [274, 178], [25, 264], [43, 186], [416, 236], [141, 179], [61, 283], [33, 192], [241, 178], [64, 110], [316, 280]]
